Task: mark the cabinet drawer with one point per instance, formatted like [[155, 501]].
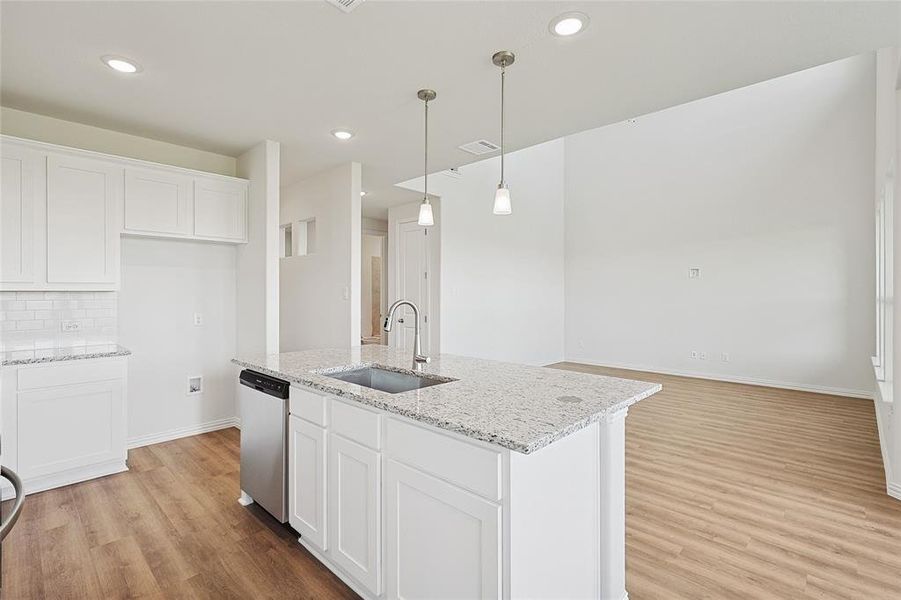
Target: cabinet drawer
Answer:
[[472, 467], [70, 372], [307, 405], [357, 424]]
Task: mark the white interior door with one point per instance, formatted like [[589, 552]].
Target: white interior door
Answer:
[[412, 283]]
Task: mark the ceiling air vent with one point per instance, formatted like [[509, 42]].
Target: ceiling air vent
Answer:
[[345, 5], [480, 147]]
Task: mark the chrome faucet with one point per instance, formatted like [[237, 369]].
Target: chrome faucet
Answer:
[[418, 357]]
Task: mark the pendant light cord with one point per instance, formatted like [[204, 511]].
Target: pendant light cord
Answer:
[[425, 169], [503, 77]]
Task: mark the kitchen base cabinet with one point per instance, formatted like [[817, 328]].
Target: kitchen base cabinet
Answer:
[[355, 509], [418, 512], [307, 480], [64, 422], [442, 541]]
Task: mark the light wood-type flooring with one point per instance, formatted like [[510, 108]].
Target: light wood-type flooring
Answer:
[[733, 491]]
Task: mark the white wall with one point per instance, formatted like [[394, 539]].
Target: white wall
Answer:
[[320, 292], [78, 135], [164, 282], [502, 277], [768, 190], [257, 260]]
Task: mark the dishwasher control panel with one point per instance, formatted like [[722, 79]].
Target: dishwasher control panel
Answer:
[[265, 383]]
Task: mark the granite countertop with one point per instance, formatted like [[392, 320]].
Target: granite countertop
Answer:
[[30, 357], [515, 406]]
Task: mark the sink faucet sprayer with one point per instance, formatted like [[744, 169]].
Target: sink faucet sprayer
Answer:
[[418, 357]]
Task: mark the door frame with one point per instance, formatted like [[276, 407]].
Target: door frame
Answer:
[[374, 227], [397, 216]]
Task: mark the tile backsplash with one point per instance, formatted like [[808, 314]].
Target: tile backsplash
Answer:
[[34, 320]]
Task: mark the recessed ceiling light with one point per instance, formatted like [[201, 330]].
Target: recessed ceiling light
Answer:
[[121, 64], [342, 134], [568, 24]]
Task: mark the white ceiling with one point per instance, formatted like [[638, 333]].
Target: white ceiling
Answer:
[[223, 75]]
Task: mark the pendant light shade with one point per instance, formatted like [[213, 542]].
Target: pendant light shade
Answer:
[[502, 203], [426, 218]]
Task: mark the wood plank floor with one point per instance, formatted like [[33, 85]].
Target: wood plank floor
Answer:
[[733, 491], [737, 491]]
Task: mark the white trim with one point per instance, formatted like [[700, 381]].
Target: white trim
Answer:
[[894, 490], [883, 443], [784, 385], [34, 485], [121, 160], [174, 434], [336, 570]]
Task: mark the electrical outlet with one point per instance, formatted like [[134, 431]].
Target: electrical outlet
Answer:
[[68, 326], [198, 319], [694, 354], [702, 356], [724, 357], [694, 273]]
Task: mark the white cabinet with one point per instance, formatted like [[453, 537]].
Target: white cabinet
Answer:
[[354, 500], [307, 480], [64, 422], [82, 233], [18, 178], [220, 209], [442, 541], [158, 202]]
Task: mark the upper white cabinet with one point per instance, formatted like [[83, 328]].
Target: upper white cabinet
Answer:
[[158, 202], [169, 202], [18, 179], [62, 211], [220, 209], [82, 234]]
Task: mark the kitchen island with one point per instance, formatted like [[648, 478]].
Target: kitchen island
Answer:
[[492, 480]]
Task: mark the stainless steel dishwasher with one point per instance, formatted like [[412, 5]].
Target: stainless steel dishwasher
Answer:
[[264, 420]]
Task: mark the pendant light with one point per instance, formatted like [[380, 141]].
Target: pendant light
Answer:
[[502, 206], [426, 218]]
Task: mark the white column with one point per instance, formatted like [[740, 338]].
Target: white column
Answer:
[[612, 506]]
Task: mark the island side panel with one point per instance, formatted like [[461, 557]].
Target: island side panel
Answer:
[[612, 505], [554, 519]]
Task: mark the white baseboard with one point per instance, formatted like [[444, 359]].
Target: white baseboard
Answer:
[[34, 485], [894, 490], [174, 434], [784, 385]]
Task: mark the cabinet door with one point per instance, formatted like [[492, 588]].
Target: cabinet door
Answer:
[[355, 510], [306, 480], [443, 542], [17, 205], [70, 426], [220, 209], [158, 202], [82, 230]]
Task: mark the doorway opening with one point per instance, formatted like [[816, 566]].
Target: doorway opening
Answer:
[[374, 285]]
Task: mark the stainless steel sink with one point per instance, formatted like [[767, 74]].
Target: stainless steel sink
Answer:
[[387, 381]]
